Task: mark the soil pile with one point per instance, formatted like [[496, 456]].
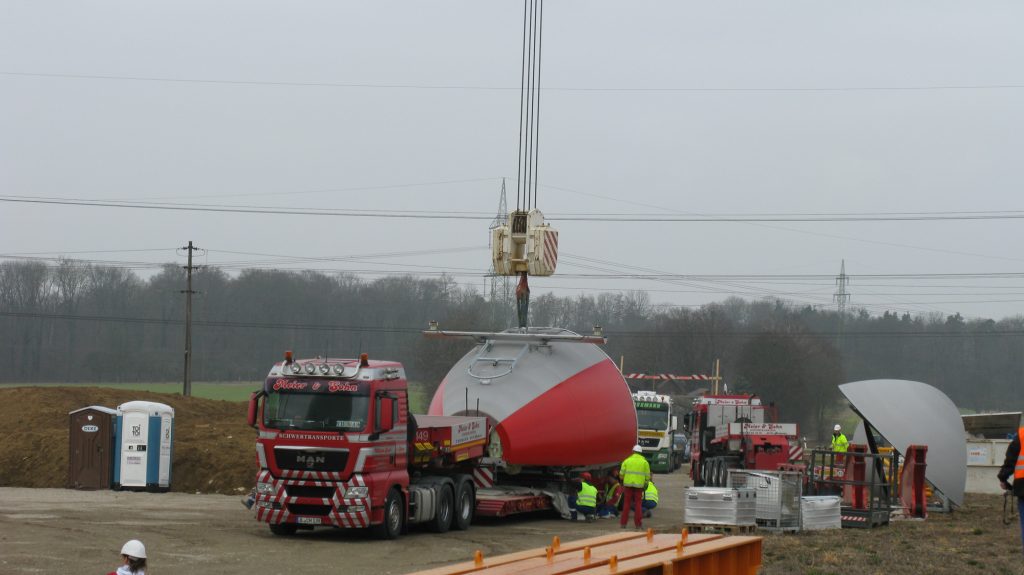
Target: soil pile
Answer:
[[213, 447]]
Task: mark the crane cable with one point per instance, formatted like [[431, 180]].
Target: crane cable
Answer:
[[529, 106]]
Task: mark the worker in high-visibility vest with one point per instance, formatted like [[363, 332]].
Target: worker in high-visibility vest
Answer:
[[585, 501], [650, 498], [612, 496], [839, 441], [1013, 466], [636, 474]]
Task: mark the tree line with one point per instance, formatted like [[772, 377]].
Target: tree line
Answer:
[[74, 322]]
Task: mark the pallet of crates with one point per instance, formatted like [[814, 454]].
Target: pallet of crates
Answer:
[[778, 497], [719, 509]]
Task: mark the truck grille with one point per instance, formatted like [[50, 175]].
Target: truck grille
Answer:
[[648, 441], [309, 491], [310, 460], [298, 509]]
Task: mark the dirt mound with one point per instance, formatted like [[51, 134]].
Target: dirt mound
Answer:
[[213, 447]]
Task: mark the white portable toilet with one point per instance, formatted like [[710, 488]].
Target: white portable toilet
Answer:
[[144, 440]]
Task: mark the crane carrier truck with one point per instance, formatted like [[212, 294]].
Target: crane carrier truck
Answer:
[[737, 432]]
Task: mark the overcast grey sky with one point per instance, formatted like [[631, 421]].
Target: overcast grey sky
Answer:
[[653, 107]]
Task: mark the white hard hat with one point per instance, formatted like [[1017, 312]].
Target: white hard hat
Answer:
[[638, 449], [837, 427], [134, 548]]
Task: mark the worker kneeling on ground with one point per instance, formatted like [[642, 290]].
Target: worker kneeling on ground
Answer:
[[585, 501], [612, 497], [650, 498]]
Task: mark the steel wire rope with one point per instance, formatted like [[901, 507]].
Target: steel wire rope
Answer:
[[522, 93], [529, 104], [536, 145]]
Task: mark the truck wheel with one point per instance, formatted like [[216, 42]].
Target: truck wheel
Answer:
[[445, 510], [394, 515], [465, 501], [283, 529], [715, 473]]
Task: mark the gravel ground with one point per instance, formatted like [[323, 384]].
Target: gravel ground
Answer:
[[62, 531]]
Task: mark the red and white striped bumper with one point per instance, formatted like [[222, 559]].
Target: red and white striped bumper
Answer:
[[337, 511]]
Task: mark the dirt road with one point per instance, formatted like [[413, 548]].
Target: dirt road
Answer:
[[59, 531], [62, 531]]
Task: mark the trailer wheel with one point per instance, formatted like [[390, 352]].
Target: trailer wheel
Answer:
[[283, 529], [715, 473], [465, 502], [394, 517], [445, 506]]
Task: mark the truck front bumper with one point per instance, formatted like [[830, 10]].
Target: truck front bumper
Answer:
[[308, 500]]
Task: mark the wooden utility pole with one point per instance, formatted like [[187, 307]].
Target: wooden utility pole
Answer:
[[187, 388]]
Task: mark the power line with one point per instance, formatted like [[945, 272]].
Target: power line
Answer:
[[470, 87], [416, 330], [455, 215]]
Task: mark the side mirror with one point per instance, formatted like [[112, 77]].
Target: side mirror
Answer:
[[387, 414], [254, 407], [675, 422]]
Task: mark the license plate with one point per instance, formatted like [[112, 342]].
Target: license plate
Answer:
[[308, 520]]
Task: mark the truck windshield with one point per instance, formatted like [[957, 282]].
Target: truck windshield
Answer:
[[316, 411], [651, 419]]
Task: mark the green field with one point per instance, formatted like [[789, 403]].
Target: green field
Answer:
[[227, 391]]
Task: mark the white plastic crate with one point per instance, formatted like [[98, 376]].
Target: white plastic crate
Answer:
[[821, 512], [719, 506]]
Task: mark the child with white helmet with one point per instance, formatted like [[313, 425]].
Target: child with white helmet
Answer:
[[133, 554]]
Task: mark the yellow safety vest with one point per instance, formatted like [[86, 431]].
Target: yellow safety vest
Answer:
[[839, 443], [587, 496], [1018, 470], [652, 493], [610, 495], [635, 471]]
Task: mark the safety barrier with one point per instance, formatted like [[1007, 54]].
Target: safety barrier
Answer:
[[624, 553]]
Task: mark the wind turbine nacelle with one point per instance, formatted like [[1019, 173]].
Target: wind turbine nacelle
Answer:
[[524, 244]]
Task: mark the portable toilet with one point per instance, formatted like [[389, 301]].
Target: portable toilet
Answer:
[[91, 450], [144, 440]]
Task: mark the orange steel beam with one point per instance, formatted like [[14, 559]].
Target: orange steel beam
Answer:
[[726, 556], [641, 553], [569, 562], [488, 562]]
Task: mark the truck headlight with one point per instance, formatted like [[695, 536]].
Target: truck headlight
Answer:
[[357, 492], [265, 488], [662, 456]]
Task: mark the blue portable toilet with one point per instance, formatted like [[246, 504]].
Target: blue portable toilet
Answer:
[[144, 441]]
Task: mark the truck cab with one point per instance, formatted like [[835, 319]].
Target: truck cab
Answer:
[[332, 443], [656, 427]]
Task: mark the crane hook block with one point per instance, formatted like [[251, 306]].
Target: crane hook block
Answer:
[[524, 244]]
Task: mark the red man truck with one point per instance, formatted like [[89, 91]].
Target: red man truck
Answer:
[[338, 447]]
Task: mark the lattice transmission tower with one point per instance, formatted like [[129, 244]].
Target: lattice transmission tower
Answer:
[[499, 287]]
